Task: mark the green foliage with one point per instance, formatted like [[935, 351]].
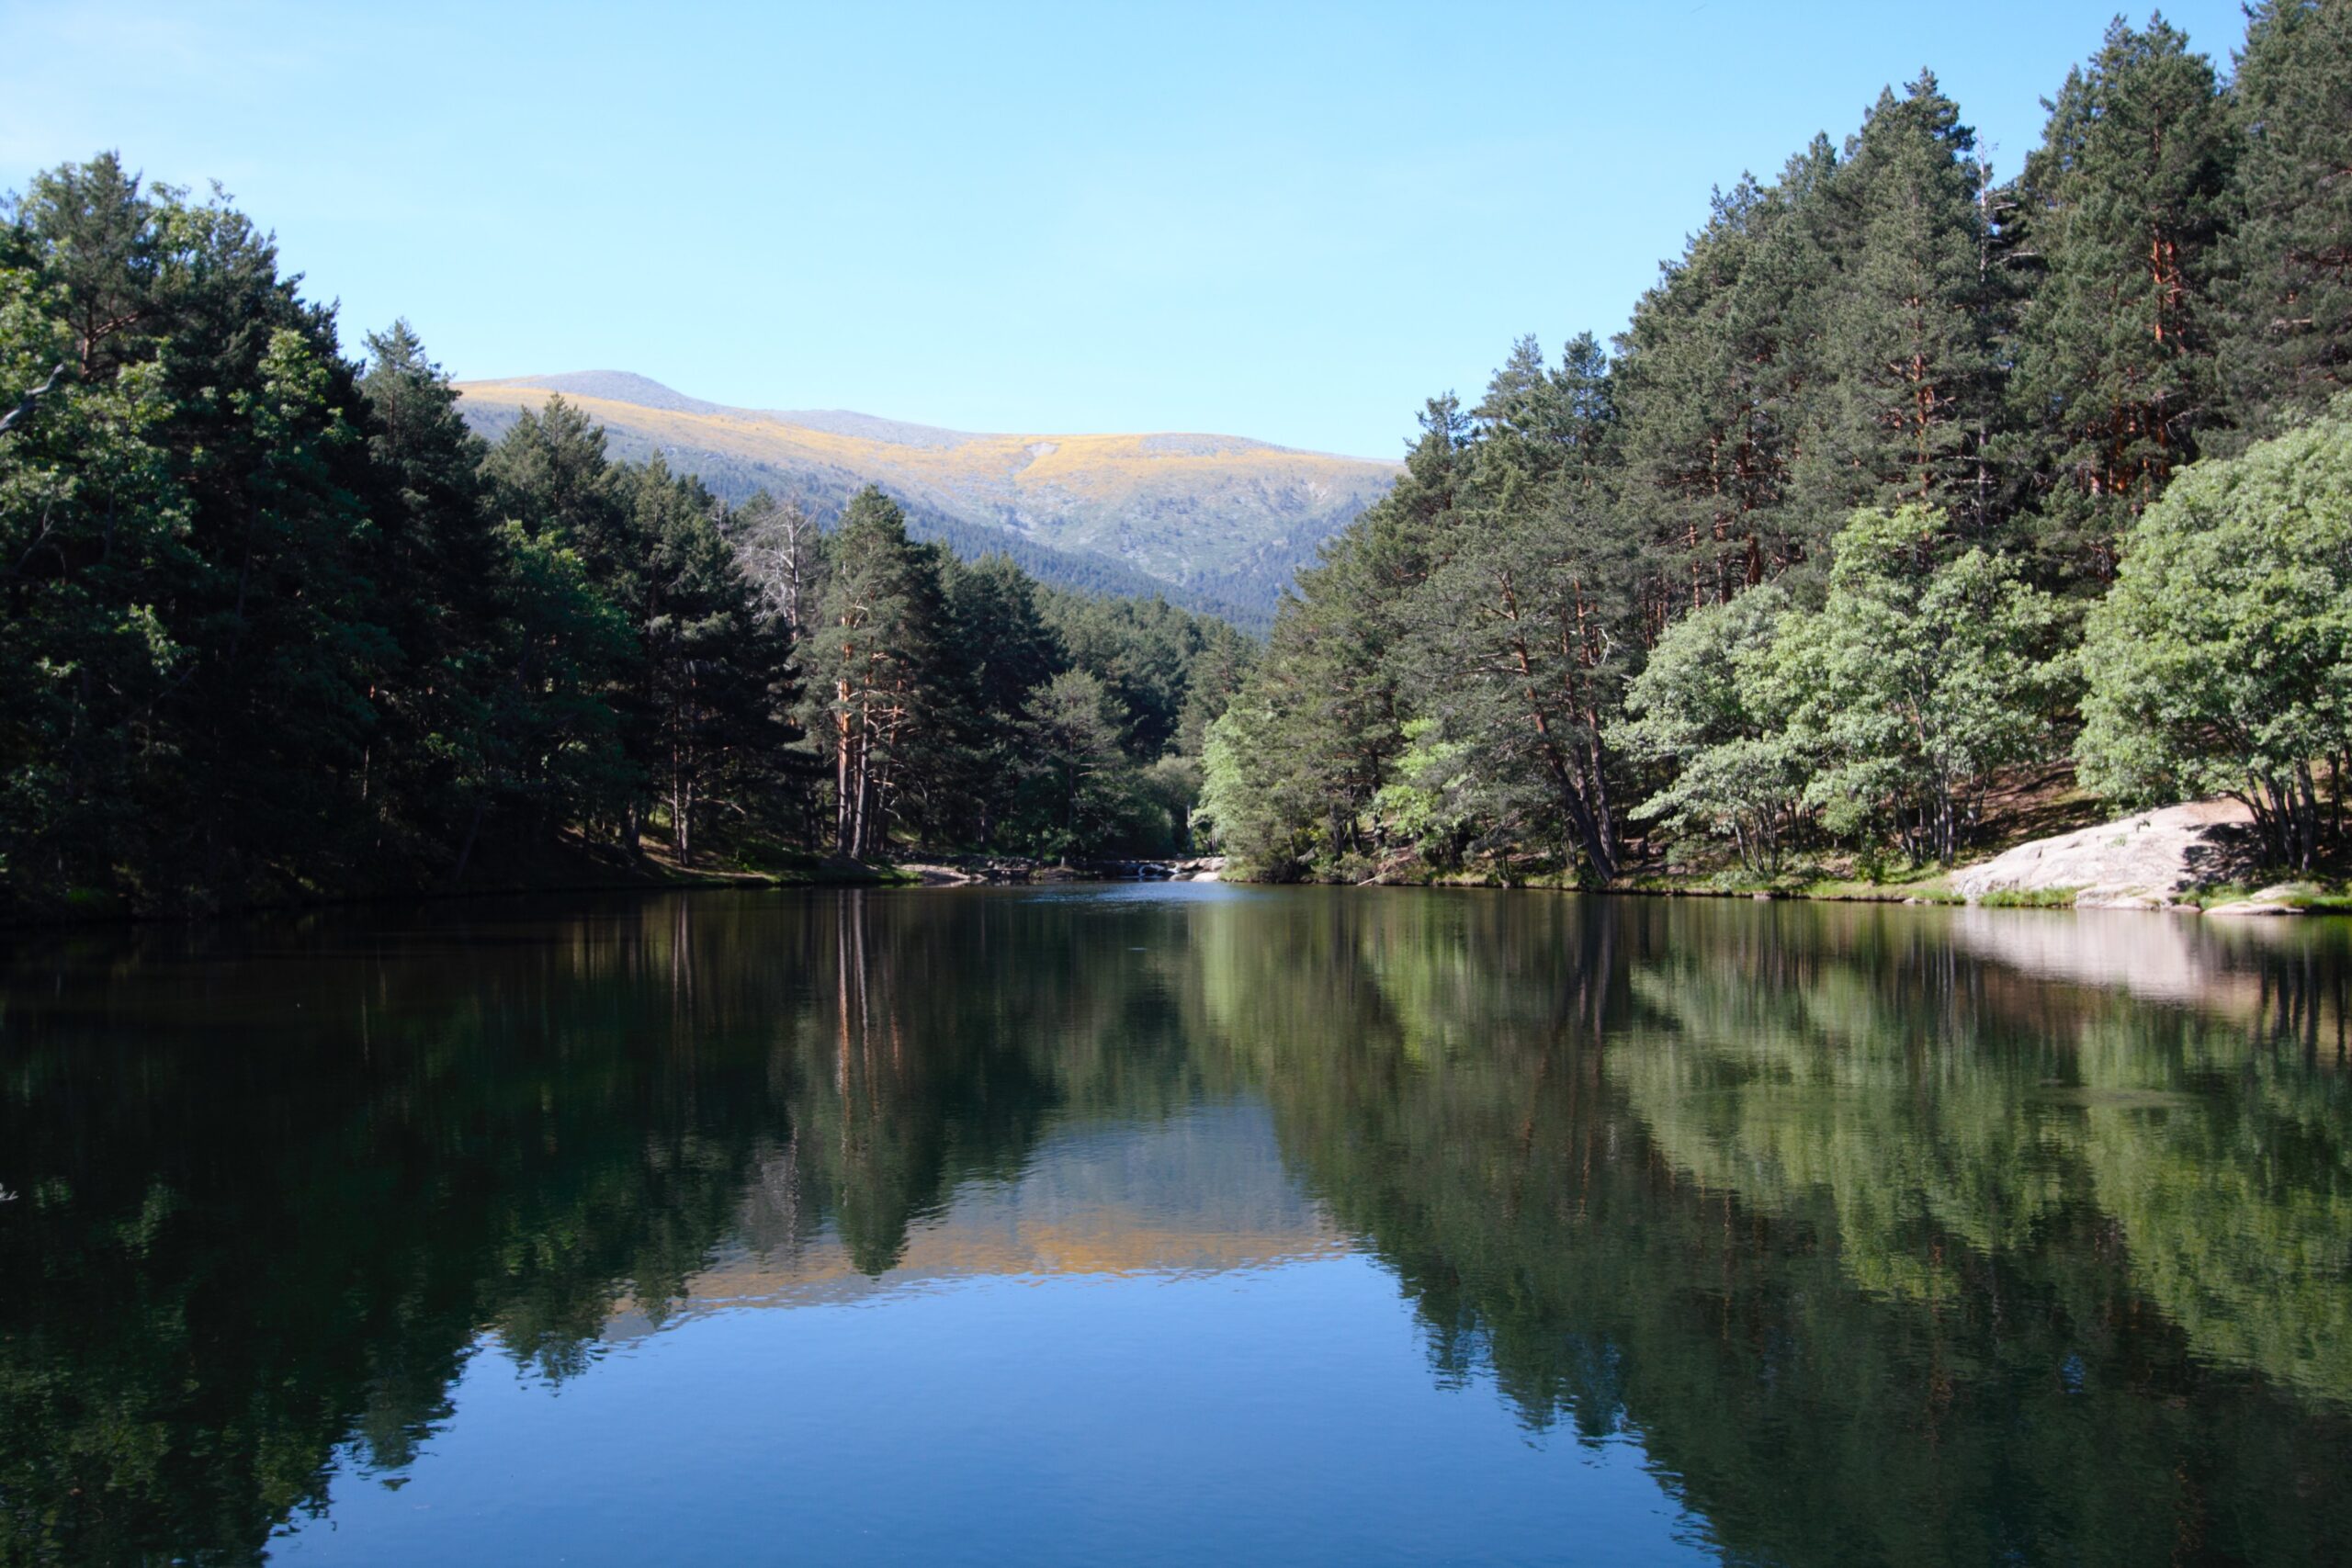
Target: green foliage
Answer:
[[2288, 294], [277, 624], [1910, 321], [1076, 774], [1909, 404], [875, 679], [1417, 808], [1714, 705], [1255, 806], [2222, 661], [1886, 712], [1920, 680], [2117, 215], [1143, 650]]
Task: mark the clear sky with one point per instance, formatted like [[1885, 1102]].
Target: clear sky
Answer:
[[1281, 220]]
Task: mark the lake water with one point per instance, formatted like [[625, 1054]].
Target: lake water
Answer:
[[1178, 1224]]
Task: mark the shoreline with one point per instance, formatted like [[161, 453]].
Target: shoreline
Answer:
[[936, 872], [916, 871], [2301, 898], [683, 882]]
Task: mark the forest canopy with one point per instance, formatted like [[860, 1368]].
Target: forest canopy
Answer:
[[1804, 559], [1904, 480], [274, 624]]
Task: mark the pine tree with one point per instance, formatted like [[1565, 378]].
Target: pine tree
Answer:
[[714, 672], [1074, 767], [2116, 216], [872, 664], [1908, 336], [436, 560], [2289, 257], [1719, 382], [1519, 641], [1705, 461], [247, 761], [1003, 648], [93, 548], [550, 473]]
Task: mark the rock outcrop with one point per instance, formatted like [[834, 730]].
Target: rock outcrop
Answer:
[[2279, 900], [2145, 862]]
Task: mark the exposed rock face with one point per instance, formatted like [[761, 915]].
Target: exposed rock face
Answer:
[[2269, 901], [2137, 863]]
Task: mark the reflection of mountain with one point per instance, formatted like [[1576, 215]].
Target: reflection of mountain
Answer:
[[1201, 1191], [1886, 1246]]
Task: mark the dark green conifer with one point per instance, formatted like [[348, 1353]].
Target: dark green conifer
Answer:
[[2287, 349], [2116, 219]]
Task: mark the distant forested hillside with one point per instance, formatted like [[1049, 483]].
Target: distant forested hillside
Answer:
[[1218, 522], [278, 625], [1903, 478]]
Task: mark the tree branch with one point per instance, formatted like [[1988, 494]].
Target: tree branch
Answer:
[[10, 420]]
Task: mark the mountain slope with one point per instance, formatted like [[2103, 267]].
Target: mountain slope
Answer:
[[1218, 521]]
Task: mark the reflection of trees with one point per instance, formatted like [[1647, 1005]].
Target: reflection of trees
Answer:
[[1837, 1101], [1820, 1098], [282, 1200], [269, 1206], [1887, 1252], [2236, 1204], [1907, 1103]]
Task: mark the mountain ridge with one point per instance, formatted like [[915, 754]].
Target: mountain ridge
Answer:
[[1217, 521]]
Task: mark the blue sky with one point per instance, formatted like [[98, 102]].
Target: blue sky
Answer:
[[1287, 221]]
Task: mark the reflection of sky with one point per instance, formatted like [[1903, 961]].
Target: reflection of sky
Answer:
[[1284, 1415], [1202, 1192], [1149, 1345]]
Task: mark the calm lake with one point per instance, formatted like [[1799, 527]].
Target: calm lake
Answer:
[[1178, 1224]]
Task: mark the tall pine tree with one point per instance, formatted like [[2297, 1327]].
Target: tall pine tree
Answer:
[[1908, 338], [2288, 258], [2116, 219]]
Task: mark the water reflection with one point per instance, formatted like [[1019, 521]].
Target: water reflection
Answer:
[[1890, 1235], [1201, 1191]]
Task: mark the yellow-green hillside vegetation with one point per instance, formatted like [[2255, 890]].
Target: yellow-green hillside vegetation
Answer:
[[1222, 518]]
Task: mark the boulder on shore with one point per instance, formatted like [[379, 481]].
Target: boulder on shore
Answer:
[[2277, 900], [2143, 862]]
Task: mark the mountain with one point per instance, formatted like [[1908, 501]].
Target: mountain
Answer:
[[1216, 522]]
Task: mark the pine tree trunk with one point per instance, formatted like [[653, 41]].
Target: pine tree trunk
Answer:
[[844, 815]]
